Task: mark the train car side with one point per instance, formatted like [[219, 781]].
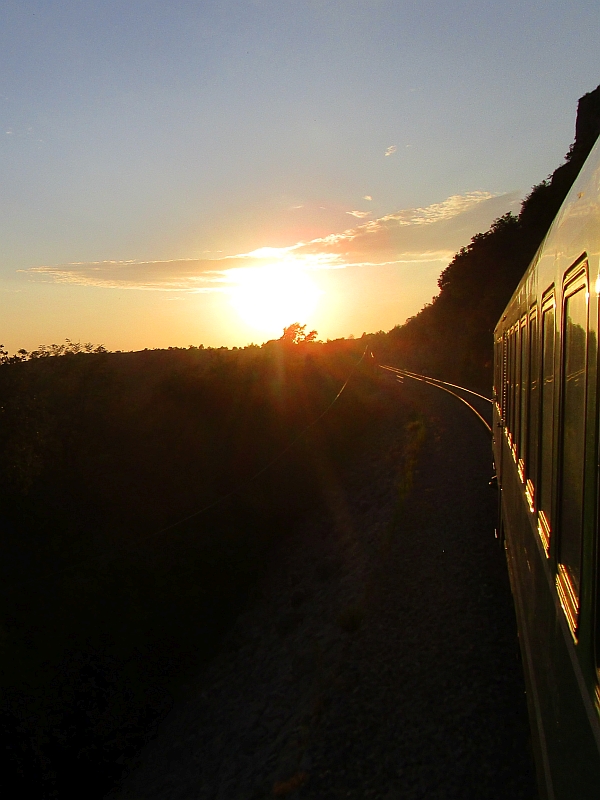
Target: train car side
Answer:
[[546, 453]]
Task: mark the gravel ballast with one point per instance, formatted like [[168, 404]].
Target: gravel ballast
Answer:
[[380, 659]]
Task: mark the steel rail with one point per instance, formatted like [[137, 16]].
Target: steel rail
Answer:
[[430, 382], [436, 380]]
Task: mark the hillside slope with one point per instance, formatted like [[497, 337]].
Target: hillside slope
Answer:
[[113, 584], [452, 337]]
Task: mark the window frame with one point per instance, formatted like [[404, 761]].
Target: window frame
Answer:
[[533, 408], [545, 515], [575, 279], [523, 358]]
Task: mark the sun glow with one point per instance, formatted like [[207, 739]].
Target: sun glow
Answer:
[[270, 298]]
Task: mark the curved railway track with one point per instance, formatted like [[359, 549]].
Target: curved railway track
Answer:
[[480, 405], [378, 660]]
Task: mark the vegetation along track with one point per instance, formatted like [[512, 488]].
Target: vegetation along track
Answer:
[[380, 658]]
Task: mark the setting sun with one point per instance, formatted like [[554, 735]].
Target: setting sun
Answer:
[[270, 298]]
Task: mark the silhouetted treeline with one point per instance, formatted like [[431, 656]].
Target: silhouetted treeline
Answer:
[[101, 612], [452, 337]]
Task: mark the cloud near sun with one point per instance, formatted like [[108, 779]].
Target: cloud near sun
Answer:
[[433, 233]]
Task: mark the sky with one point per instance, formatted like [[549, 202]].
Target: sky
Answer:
[[209, 172]]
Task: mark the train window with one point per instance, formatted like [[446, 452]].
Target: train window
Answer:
[[517, 391], [500, 384], [504, 374], [572, 448], [524, 372], [498, 375], [531, 462], [546, 426], [510, 385]]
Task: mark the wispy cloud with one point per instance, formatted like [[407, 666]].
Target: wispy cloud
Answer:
[[433, 232], [391, 150], [196, 275], [413, 235], [367, 197], [451, 207], [359, 214]]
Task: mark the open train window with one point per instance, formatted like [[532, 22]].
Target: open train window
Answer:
[[572, 445], [546, 424], [531, 461]]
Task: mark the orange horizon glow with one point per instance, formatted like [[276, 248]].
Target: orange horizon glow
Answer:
[[269, 298]]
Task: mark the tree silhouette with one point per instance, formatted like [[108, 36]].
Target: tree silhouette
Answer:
[[295, 334], [452, 336]]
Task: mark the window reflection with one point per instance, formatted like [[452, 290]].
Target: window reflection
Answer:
[[547, 406], [573, 436], [532, 429]]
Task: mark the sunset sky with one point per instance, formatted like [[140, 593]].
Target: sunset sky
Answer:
[[206, 172]]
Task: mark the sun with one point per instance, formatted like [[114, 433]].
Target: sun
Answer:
[[271, 298]]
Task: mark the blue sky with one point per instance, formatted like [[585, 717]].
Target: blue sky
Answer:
[[145, 147]]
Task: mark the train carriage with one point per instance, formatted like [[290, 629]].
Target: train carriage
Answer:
[[547, 455]]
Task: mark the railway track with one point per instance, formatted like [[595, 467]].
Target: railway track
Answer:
[[478, 403], [379, 658]]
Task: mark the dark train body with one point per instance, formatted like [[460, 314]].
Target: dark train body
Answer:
[[547, 455]]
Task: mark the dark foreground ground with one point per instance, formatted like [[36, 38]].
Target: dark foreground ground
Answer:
[[380, 659]]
